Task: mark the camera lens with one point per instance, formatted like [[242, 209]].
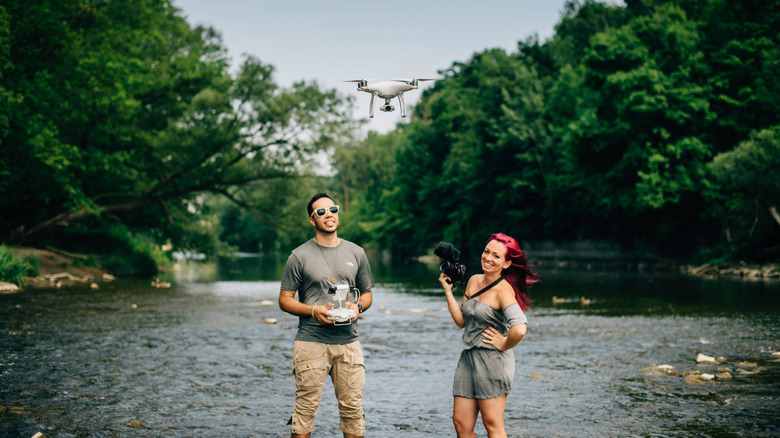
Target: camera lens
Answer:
[[452, 270]]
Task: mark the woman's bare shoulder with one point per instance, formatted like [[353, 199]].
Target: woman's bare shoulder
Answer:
[[506, 295], [473, 284]]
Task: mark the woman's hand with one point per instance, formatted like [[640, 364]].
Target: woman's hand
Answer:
[[493, 337], [446, 283]]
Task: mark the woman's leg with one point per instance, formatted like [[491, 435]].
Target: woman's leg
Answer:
[[492, 410], [464, 416]]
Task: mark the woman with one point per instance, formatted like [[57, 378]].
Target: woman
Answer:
[[492, 313]]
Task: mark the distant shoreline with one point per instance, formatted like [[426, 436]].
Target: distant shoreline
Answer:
[[724, 270], [59, 268]]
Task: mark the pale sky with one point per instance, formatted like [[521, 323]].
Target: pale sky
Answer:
[[334, 40]]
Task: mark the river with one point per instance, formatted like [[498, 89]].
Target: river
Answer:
[[203, 358]]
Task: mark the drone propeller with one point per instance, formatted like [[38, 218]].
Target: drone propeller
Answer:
[[413, 82], [360, 82]]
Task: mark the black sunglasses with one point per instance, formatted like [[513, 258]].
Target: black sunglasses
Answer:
[[320, 212]]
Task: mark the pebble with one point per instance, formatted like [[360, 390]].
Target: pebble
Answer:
[[692, 379], [270, 320], [703, 358], [266, 303]]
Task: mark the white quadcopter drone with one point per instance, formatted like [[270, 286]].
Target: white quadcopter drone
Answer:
[[388, 90]]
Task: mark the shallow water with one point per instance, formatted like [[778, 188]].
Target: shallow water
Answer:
[[198, 360]]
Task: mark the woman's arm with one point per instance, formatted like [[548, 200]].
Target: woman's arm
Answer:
[[515, 335], [452, 303], [506, 297]]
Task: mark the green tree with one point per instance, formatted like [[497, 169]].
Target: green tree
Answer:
[[459, 159], [364, 168], [605, 131], [635, 149], [747, 195], [120, 111]]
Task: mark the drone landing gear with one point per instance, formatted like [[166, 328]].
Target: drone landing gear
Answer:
[[371, 105]]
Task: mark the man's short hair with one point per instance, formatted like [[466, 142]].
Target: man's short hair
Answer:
[[314, 199]]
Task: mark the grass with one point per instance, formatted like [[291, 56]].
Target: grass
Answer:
[[14, 267]]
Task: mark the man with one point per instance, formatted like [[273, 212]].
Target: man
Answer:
[[322, 348]]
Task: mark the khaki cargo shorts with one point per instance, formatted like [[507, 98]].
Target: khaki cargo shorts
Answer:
[[312, 363]]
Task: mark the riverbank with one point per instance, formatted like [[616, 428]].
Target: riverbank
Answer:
[[591, 255], [60, 268], [725, 270], [746, 271]]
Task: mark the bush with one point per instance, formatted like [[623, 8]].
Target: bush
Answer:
[[135, 264], [13, 267], [114, 248], [33, 266]]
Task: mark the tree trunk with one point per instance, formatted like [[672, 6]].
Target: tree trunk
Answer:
[[775, 214]]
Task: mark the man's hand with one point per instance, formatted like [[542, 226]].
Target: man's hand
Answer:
[[354, 307], [321, 313]]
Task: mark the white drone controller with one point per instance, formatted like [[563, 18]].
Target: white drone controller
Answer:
[[342, 315]]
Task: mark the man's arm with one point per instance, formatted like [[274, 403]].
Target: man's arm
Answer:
[[366, 299], [365, 302], [289, 304]]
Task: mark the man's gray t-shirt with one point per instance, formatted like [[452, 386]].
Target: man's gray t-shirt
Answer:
[[308, 272]]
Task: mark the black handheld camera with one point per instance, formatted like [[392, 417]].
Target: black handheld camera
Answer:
[[450, 265]]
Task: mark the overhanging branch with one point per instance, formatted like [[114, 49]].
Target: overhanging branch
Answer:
[[247, 207]]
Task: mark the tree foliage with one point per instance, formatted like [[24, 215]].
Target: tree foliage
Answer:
[[121, 111], [749, 192], [654, 125], [608, 130]]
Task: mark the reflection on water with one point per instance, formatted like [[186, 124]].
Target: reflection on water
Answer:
[[197, 360]]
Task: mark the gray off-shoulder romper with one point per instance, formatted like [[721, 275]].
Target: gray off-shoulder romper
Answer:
[[483, 371]]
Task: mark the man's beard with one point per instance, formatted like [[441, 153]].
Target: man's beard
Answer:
[[321, 229]]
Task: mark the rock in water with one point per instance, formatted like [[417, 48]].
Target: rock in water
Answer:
[[8, 287], [702, 358]]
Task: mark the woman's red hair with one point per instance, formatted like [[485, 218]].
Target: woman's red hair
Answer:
[[518, 274]]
